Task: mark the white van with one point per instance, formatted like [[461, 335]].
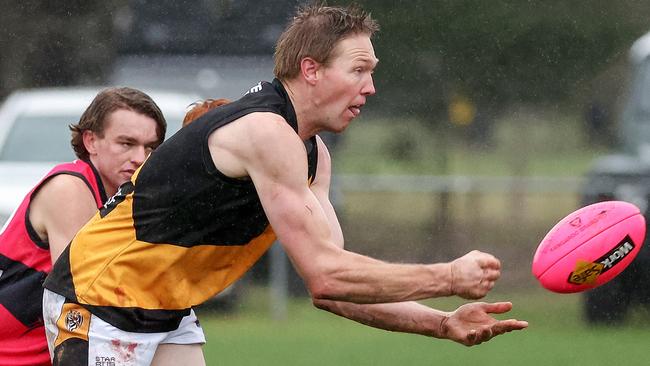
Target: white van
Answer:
[[34, 133]]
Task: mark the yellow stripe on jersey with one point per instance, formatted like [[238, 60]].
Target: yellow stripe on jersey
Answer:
[[118, 270]]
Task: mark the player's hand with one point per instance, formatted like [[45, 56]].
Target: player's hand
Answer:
[[471, 324], [474, 274]]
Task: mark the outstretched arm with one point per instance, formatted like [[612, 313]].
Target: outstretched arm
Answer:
[[263, 147], [278, 167], [464, 271], [470, 324]]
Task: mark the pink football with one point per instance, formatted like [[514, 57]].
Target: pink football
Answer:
[[589, 247]]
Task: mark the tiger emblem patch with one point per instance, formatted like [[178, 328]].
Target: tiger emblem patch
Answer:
[[73, 320]]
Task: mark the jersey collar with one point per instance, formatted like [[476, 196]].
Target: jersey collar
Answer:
[[287, 110]]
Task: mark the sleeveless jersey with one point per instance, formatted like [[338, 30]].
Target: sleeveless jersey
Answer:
[[24, 262], [177, 234]]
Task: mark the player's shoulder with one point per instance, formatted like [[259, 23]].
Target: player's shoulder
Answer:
[[62, 192], [262, 120], [259, 137], [64, 185], [267, 126]]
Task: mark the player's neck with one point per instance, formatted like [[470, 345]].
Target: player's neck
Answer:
[[305, 109]]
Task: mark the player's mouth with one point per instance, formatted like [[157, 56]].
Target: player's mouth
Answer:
[[355, 109]]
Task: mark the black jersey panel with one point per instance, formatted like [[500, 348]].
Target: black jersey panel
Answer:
[[181, 198], [139, 320], [21, 291], [187, 205]]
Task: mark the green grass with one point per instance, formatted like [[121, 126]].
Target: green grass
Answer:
[[556, 336]]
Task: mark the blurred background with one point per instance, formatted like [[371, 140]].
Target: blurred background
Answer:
[[492, 121]]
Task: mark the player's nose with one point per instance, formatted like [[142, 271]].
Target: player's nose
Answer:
[[138, 155], [369, 87]]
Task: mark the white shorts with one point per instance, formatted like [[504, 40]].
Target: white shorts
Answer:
[[87, 336]]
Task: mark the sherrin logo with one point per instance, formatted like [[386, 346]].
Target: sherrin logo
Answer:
[[585, 272], [588, 272]]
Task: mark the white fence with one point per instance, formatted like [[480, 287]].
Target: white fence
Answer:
[[455, 184]]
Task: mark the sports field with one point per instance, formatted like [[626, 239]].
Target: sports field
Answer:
[[556, 336]]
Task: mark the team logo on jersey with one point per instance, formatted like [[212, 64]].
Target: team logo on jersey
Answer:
[[124, 190], [73, 320]]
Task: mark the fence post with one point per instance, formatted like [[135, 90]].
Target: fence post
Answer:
[[279, 282]]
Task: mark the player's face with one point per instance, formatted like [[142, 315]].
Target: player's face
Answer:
[[347, 81], [128, 138]]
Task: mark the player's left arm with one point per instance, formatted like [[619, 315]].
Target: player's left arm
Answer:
[[470, 324]]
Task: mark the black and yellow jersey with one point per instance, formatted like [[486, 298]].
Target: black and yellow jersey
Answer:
[[178, 233]]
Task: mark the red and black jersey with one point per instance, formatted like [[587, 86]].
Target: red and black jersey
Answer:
[[25, 261], [177, 234]]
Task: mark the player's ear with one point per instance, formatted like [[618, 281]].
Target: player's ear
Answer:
[[309, 69], [89, 139]]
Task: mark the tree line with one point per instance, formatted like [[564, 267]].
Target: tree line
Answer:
[[495, 53]]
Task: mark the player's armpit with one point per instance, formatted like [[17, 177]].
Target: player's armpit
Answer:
[[321, 189]]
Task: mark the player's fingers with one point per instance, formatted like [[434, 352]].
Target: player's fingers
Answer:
[[497, 307], [485, 335], [485, 286], [508, 326], [491, 274], [490, 261], [472, 338], [514, 324], [501, 327]]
